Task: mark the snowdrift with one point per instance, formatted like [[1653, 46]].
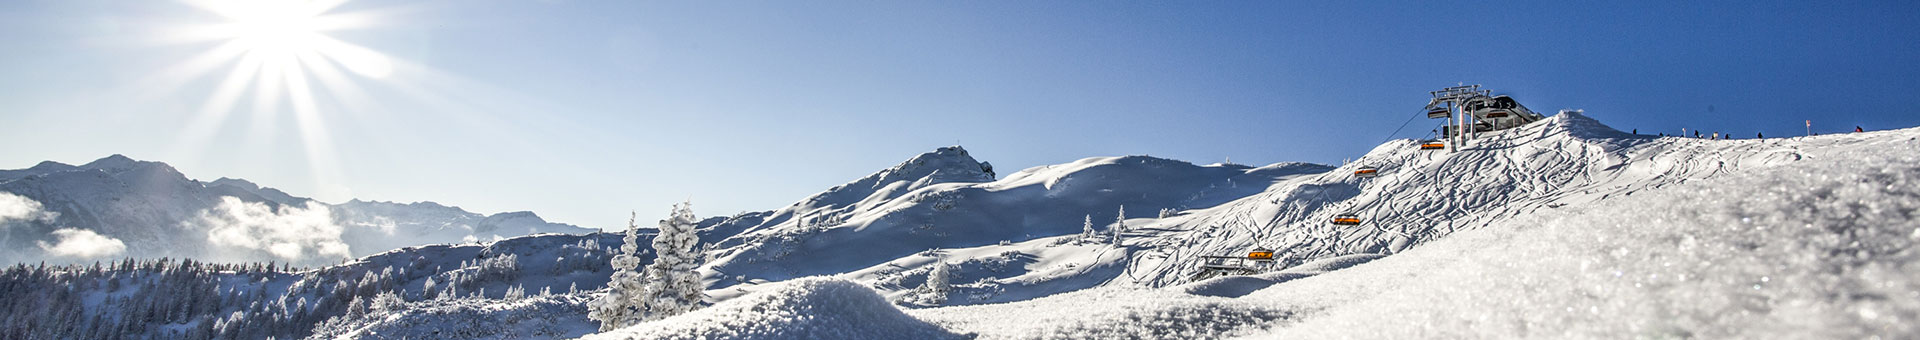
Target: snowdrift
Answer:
[[807, 308], [1816, 249]]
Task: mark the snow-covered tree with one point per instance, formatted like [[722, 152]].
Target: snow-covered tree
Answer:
[[387, 302], [934, 291], [670, 286], [674, 286], [621, 306], [515, 293], [1086, 230], [1119, 225]]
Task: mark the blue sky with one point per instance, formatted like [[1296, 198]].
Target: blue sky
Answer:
[[584, 110]]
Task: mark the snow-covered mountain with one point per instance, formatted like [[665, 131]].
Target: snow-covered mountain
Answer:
[[1562, 228], [120, 207]]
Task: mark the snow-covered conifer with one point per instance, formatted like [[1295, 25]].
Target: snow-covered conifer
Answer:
[[387, 302], [1119, 225], [1086, 230], [934, 291], [621, 306], [515, 293], [674, 286]]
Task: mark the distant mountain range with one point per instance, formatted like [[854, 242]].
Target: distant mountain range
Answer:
[[120, 207]]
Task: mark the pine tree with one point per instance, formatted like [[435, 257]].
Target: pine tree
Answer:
[[515, 293], [1119, 225], [934, 291], [621, 306], [1086, 230], [674, 285]]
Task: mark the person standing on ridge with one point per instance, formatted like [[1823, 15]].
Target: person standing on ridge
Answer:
[[1856, 128]]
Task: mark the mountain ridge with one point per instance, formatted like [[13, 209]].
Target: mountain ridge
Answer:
[[157, 211]]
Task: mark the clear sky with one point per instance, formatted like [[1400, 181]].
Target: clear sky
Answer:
[[585, 110]]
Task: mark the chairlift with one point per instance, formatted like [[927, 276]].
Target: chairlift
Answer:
[[1260, 254], [1439, 112], [1432, 145], [1366, 172], [1346, 219], [1497, 114]]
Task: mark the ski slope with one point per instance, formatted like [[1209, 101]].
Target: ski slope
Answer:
[[1615, 234], [1819, 248], [1562, 228], [1423, 195]]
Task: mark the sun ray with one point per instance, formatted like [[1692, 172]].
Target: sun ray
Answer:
[[213, 113], [313, 131], [277, 51], [194, 67], [358, 59], [336, 83]]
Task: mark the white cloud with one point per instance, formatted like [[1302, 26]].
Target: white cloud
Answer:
[[83, 243], [19, 208], [293, 233]]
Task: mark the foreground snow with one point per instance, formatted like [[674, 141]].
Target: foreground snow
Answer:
[[807, 308], [1817, 248]]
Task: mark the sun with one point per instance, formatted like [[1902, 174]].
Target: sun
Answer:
[[278, 56], [292, 32], [284, 29]]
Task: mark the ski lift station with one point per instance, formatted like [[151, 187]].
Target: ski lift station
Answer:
[[1468, 110]]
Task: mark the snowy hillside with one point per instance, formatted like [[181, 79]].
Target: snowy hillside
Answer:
[[1504, 181], [881, 224], [1818, 248], [1562, 228], [119, 207]]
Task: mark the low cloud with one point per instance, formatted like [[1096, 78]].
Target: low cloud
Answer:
[[19, 208], [82, 243], [294, 233]]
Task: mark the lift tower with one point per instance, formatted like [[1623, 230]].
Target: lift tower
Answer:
[[1469, 110], [1451, 103]]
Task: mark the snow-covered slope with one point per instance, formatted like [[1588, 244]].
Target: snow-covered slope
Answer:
[[1503, 181], [1563, 228], [1818, 248], [942, 200], [153, 210], [1567, 160], [807, 308]]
